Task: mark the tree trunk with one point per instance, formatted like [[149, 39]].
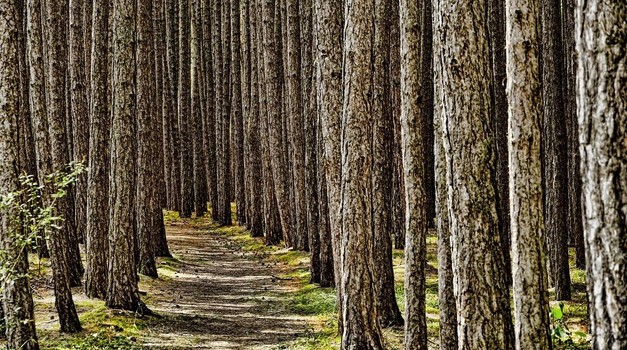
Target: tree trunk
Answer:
[[574, 220], [59, 241], [217, 74], [555, 149], [79, 109], [359, 300], [147, 202], [446, 296], [17, 300], [122, 290], [246, 77], [272, 221], [96, 242], [184, 104], [525, 118], [496, 28], [171, 99], [210, 91], [273, 108], [602, 114], [484, 320], [237, 121], [414, 45]]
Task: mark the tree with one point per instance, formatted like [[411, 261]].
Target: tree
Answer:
[[96, 242], [60, 241], [17, 300], [602, 115], [184, 108], [237, 119], [171, 116], [554, 149], [413, 45], [147, 203], [526, 210], [79, 108], [197, 114], [484, 321], [359, 299], [122, 290]]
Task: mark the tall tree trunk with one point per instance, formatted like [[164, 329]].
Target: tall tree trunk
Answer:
[[184, 104], [484, 321], [555, 149], [17, 300], [279, 167], [59, 241], [360, 304], [414, 45], [496, 28], [96, 242], [329, 24], [122, 290], [602, 114], [210, 91], [147, 202], [246, 77], [172, 61], [382, 140], [197, 115], [574, 220], [272, 221], [446, 296], [525, 119], [79, 108], [237, 121]]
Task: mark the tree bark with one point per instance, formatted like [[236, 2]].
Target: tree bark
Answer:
[[359, 299], [554, 149], [147, 200], [171, 99], [17, 300], [602, 114], [60, 241], [237, 121], [482, 300], [122, 290], [184, 108], [531, 298], [96, 242], [413, 44]]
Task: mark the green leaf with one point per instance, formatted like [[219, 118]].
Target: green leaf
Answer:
[[557, 313]]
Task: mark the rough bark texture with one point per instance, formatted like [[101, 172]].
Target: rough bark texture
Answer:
[[253, 144], [484, 320], [413, 43], [79, 109], [245, 213], [382, 145], [17, 300], [237, 121], [554, 149], [329, 23], [122, 290], [147, 200], [171, 9], [197, 115], [184, 108], [59, 241], [217, 119], [602, 111], [272, 221], [496, 28], [575, 221], [96, 242], [296, 117], [209, 48], [531, 301], [446, 296], [277, 145], [359, 300]]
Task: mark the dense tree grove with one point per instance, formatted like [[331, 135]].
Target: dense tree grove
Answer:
[[357, 131]]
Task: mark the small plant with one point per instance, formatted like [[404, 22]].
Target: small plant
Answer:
[[562, 337]]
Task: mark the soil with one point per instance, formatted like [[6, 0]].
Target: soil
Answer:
[[220, 297]]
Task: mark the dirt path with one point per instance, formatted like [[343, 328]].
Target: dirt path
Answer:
[[219, 297]]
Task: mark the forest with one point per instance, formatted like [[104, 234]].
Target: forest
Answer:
[[313, 174]]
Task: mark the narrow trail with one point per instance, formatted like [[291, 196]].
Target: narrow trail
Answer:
[[219, 297]]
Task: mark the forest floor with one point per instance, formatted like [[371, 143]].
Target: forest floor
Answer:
[[224, 290]]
